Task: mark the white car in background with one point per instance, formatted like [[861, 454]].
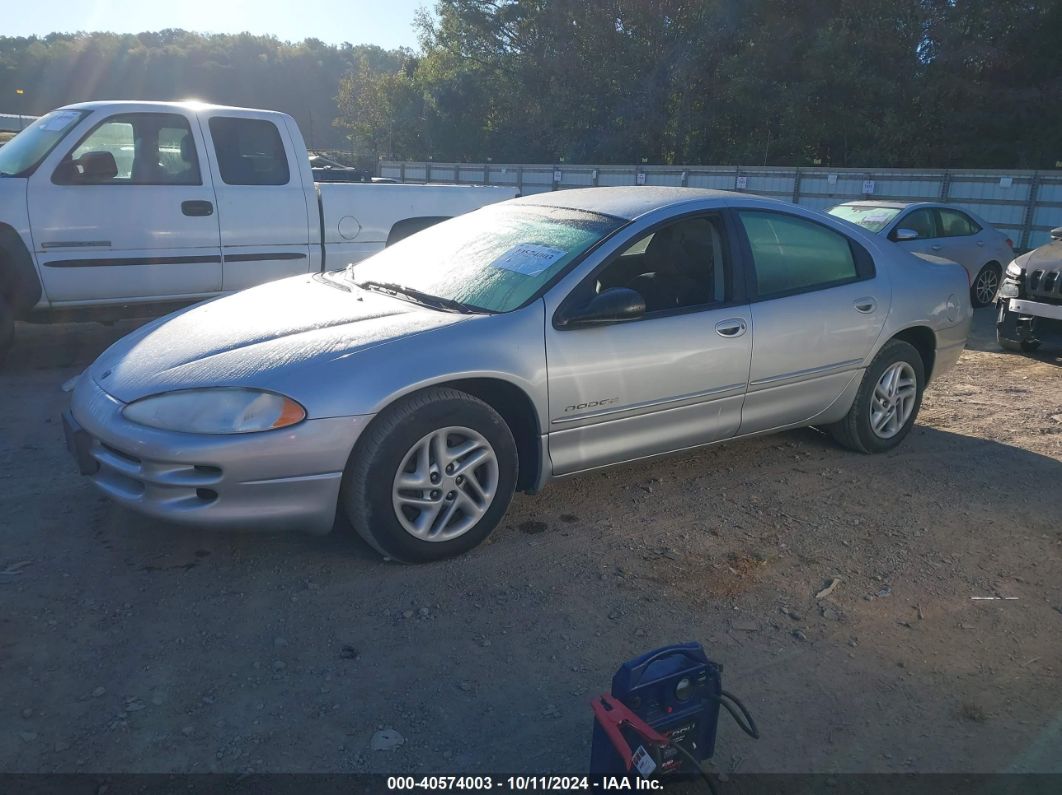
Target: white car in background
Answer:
[[942, 230]]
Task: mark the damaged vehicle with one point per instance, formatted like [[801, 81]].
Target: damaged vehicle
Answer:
[[528, 340], [1030, 297]]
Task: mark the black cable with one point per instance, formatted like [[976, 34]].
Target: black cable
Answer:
[[748, 725], [697, 766]]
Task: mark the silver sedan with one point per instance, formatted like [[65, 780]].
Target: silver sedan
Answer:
[[942, 230], [530, 340]]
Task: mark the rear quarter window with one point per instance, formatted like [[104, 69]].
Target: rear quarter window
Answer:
[[249, 151]]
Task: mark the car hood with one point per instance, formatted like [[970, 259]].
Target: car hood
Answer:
[[257, 337], [1047, 256]]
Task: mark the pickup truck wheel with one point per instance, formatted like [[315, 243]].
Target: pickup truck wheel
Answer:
[[7, 329], [1008, 335], [985, 284], [887, 403], [432, 477]]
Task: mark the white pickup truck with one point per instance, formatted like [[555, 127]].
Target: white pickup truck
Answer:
[[116, 208]]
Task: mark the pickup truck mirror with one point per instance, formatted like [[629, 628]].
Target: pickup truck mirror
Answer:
[[905, 234], [614, 305]]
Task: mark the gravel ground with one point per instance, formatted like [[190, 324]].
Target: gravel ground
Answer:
[[130, 646]]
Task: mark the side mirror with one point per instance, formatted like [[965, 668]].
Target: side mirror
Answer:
[[1056, 233], [905, 234], [615, 305]]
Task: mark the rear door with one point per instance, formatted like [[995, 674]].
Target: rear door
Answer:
[[817, 307], [127, 212], [262, 202]]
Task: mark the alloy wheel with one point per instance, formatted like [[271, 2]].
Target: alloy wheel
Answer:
[[893, 400], [445, 484], [986, 285]]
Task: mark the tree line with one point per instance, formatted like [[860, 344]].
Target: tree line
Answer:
[[874, 83]]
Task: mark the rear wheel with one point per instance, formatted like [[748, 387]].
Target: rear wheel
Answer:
[[432, 478], [985, 284], [7, 329], [887, 403]]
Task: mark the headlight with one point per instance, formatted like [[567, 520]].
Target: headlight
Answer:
[[218, 410], [1014, 270]]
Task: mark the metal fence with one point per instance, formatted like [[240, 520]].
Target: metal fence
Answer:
[[1025, 205]]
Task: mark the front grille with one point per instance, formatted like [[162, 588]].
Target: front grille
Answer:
[[1042, 283]]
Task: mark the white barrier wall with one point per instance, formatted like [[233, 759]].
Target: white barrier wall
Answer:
[[1025, 205]]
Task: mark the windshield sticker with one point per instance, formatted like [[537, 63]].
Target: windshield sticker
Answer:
[[60, 121], [529, 259], [877, 216]]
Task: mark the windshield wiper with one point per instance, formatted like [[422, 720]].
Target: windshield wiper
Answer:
[[425, 299]]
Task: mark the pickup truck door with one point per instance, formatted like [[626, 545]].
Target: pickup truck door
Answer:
[[262, 199], [127, 212]]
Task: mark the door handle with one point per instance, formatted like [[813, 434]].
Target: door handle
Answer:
[[734, 327], [866, 305], [197, 207], [936, 247], [980, 242]]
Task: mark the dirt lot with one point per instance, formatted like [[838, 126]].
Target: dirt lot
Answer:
[[130, 646]]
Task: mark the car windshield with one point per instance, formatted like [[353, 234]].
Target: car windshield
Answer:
[[491, 260], [873, 219], [26, 150]]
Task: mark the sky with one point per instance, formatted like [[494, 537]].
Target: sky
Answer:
[[386, 23]]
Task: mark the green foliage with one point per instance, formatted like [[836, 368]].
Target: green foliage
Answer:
[[252, 71], [973, 83]]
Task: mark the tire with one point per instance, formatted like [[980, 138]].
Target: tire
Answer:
[[7, 330], [1010, 338], [985, 284], [855, 431], [398, 521]]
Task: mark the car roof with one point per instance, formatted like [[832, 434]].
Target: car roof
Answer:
[[630, 202]]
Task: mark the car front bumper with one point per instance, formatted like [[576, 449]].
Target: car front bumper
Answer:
[[274, 480], [1022, 306]]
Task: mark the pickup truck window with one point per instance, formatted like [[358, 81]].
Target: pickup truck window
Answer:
[[133, 149], [23, 153], [249, 151]]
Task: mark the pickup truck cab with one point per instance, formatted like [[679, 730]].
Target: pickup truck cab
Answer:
[[116, 208]]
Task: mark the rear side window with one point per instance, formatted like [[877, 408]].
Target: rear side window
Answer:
[[249, 151], [792, 255], [957, 224]]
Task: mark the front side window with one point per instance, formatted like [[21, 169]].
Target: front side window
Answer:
[[923, 222], [494, 259], [678, 266], [134, 149], [23, 153], [250, 151], [793, 255], [957, 224]]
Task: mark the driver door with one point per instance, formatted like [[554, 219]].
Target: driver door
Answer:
[[676, 377]]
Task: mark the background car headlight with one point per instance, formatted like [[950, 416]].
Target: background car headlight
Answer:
[[216, 411], [1014, 270]]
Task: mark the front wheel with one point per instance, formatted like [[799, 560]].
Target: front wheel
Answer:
[[985, 284], [432, 478], [887, 403]]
